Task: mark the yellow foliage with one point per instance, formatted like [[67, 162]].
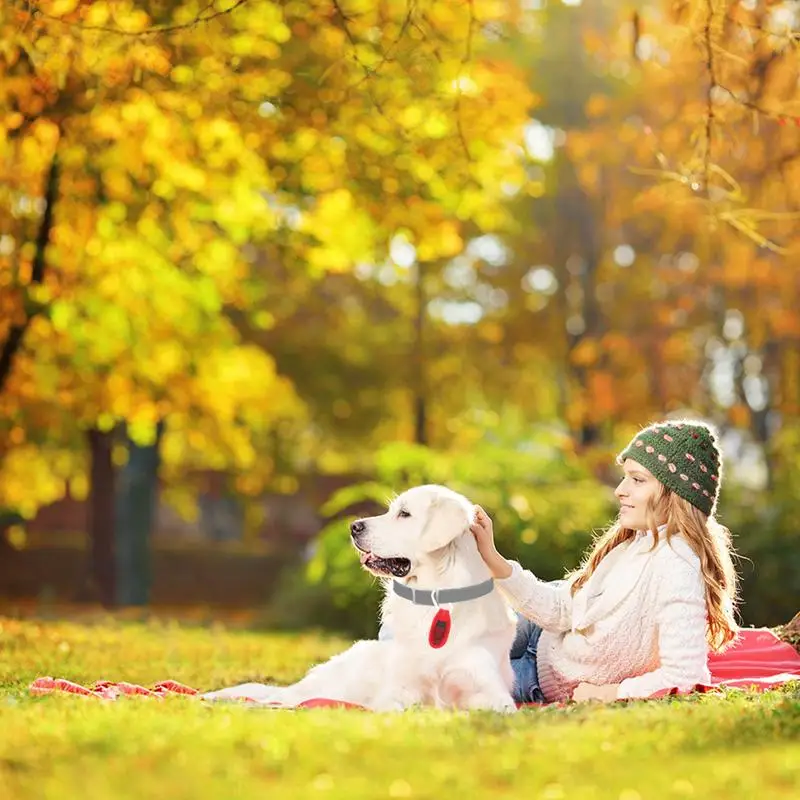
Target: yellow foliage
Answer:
[[97, 14], [17, 537], [183, 154], [585, 353], [60, 8], [344, 233], [28, 481]]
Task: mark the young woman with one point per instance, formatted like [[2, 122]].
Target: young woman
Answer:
[[657, 590]]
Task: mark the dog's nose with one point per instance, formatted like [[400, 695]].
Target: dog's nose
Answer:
[[357, 527]]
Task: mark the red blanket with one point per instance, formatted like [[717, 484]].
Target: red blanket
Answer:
[[758, 660]]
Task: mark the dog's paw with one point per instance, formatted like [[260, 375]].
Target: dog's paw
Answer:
[[275, 696], [386, 704], [503, 705], [253, 692], [391, 701]]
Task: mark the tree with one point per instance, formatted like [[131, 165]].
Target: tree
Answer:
[[189, 137]]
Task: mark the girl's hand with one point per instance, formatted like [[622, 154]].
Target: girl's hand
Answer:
[[588, 691], [484, 537]]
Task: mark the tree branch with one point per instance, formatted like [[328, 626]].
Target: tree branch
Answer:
[[782, 119], [473, 20], [201, 17], [368, 73], [387, 53], [712, 84]]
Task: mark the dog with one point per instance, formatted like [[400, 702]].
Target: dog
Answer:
[[440, 654]]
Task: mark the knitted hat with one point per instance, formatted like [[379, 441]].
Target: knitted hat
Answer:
[[684, 456]]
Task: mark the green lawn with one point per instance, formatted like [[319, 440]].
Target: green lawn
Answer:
[[65, 747]]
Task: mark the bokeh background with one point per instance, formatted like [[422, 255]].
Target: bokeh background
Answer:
[[263, 264]]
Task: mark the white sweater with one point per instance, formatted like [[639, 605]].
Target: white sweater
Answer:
[[639, 621]]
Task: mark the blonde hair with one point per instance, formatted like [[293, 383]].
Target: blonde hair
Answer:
[[709, 540]]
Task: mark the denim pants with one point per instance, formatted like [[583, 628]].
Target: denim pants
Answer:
[[523, 660]]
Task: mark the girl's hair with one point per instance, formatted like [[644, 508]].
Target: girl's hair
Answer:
[[711, 542]]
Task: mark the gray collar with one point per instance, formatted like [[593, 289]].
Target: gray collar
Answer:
[[437, 597]]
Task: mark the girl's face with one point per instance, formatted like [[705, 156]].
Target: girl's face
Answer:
[[637, 490]]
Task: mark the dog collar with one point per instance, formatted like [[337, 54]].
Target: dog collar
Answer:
[[440, 626], [437, 597]]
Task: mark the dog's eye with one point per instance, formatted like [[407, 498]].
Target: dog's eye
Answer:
[[403, 513]]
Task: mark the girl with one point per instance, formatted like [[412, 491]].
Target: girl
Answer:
[[655, 592]]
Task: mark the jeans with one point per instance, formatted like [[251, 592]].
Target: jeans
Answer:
[[523, 660]]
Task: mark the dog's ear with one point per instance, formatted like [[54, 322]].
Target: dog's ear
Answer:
[[447, 519]]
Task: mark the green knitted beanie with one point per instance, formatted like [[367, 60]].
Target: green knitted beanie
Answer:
[[684, 456]]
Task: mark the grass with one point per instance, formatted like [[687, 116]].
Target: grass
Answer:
[[63, 747]]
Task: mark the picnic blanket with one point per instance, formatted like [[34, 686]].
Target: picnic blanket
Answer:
[[757, 661]]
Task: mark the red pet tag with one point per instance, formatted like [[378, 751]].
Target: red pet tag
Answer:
[[440, 628]]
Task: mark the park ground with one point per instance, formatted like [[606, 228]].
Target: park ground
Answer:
[[736, 745]]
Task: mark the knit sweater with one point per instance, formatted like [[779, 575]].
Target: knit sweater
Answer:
[[639, 621]]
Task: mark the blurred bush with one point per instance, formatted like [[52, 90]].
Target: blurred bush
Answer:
[[765, 534]]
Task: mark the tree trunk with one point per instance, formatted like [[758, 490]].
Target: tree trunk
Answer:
[[102, 568], [136, 509], [586, 239], [420, 394], [13, 343]]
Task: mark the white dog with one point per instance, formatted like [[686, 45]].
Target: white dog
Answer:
[[451, 629]]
